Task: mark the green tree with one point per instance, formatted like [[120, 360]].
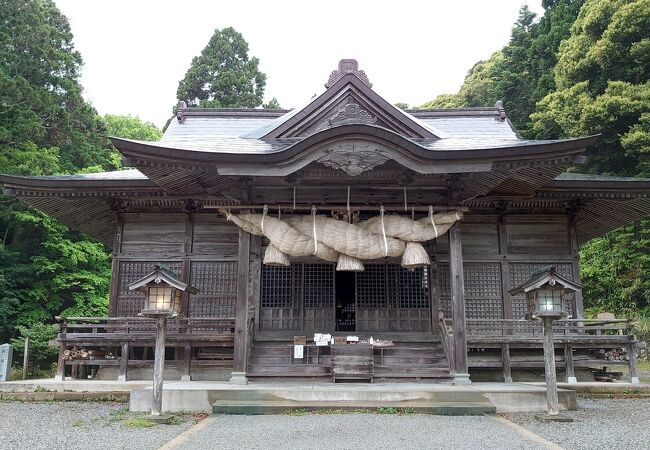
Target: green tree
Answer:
[[272, 104], [521, 73], [46, 128], [223, 75], [130, 127], [604, 86]]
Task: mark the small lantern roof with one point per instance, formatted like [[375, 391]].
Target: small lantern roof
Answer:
[[546, 276], [162, 274]]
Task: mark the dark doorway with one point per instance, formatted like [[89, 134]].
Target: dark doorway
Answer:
[[345, 301]]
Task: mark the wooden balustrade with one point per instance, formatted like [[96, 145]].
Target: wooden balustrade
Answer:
[[120, 335]]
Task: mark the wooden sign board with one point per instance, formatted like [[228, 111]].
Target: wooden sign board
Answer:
[[339, 340], [300, 340]]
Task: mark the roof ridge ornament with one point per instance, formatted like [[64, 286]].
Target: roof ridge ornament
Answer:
[[181, 106], [501, 111], [352, 113], [348, 66]]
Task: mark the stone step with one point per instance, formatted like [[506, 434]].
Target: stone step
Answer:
[[258, 407]]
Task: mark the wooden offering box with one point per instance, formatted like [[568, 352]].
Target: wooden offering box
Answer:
[[352, 362]]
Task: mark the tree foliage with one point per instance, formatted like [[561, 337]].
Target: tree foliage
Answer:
[[272, 104], [521, 73], [47, 128], [223, 75], [131, 127], [582, 69]]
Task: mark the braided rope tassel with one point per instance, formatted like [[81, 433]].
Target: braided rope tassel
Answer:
[[435, 228], [313, 215], [383, 231], [264, 211]]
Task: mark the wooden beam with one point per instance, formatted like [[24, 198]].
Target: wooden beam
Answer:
[[241, 312], [458, 304]]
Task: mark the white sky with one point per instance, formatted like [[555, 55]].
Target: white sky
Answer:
[[136, 51]]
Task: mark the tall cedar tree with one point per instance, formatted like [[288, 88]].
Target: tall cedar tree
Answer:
[[47, 128], [521, 73], [223, 75]]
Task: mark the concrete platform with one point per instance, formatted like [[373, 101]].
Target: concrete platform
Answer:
[[70, 385], [273, 398]]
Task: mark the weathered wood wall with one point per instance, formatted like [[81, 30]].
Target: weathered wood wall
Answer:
[[200, 248], [499, 252]]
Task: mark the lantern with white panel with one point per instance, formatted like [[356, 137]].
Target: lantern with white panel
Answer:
[[163, 292], [544, 292]]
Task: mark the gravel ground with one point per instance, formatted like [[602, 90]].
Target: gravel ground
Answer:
[[357, 431], [602, 423], [69, 425]]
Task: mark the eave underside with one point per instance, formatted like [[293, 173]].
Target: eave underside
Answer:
[[595, 211]]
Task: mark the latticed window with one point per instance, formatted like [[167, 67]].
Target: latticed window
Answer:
[[281, 286], [392, 286], [319, 285]]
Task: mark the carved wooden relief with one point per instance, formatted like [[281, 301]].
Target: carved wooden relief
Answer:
[[354, 157]]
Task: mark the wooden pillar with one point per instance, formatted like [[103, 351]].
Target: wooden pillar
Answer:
[[60, 368], [241, 312], [575, 266], [507, 364], [187, 362], [549, 367], [506, 300], [255, 279], [124, 362], [158, 367], [461, 373], [186, 265], [631, 352], [115, 267], [568, 361]]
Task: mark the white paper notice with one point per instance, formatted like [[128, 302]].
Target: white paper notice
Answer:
[[298, 351]]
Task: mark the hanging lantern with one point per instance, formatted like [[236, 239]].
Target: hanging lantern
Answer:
[[162, 292], [544, 292]]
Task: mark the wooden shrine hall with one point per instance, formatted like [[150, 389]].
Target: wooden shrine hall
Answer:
[[348, 217]]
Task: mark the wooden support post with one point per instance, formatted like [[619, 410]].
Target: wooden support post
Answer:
[[568, 361], [461, 372], [60, 368], [241, 312], [124, 362], [158, 367], [187, 362], [507, 365], [26, 358], [115, 267], [634, 375], [549, 367]]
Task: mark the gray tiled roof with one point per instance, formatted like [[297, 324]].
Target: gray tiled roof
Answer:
[[130, 174], [205, 133], [472, 127]]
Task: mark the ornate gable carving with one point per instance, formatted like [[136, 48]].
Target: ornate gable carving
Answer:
[[352, 102], [354, 157], [352, 113], [347, 66]]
